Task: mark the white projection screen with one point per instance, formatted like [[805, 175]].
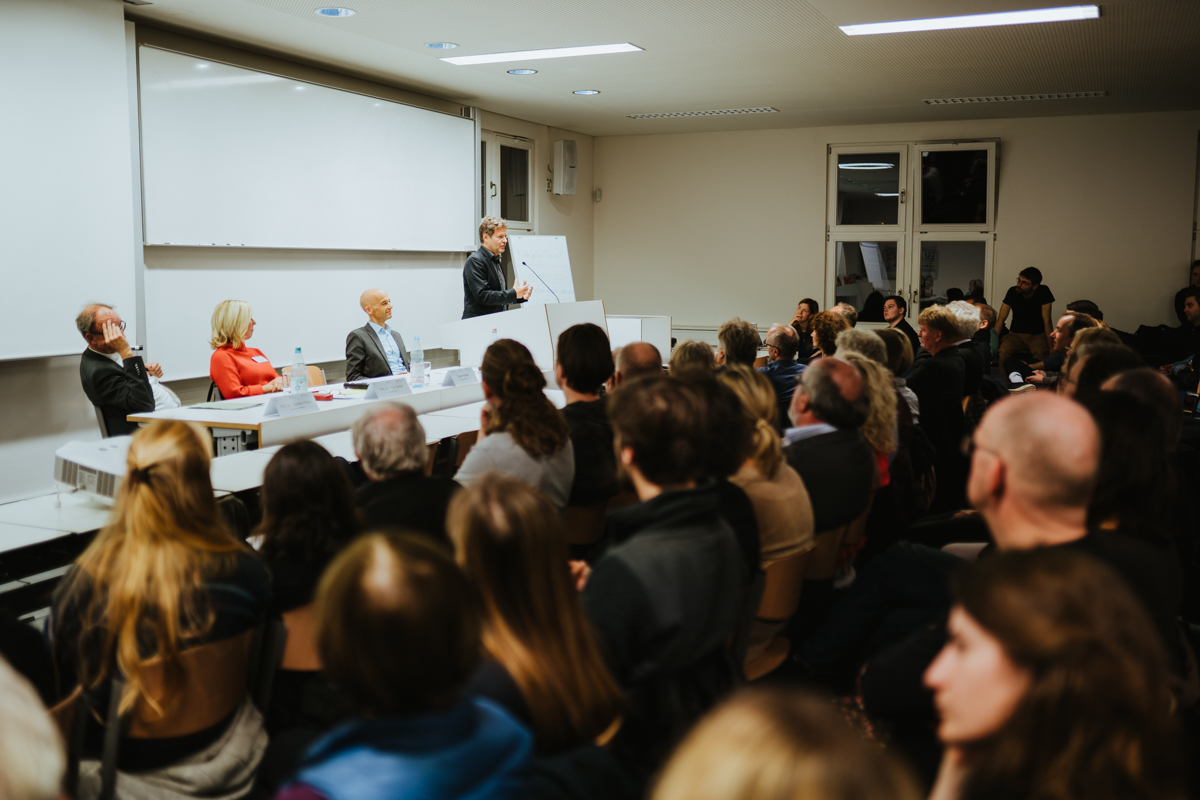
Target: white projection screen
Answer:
[[234, 157]]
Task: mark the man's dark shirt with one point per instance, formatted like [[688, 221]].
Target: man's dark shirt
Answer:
[[973, 368], [410, 500], [483, 285], [907, 329], [1187, 341], [983, 343], [1026, 314], [838, 470], [595, 463]]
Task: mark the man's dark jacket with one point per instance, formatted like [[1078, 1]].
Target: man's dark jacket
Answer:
[[411, 500], [483, 285], [907, 329], [364, 354], [116, 390], [838, 470]]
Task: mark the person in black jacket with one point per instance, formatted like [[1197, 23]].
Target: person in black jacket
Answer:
[[1182, 294], [974, 367], [583, 362], [390, 444], [895, 310], [115, 380], [824, 445], [938, 384], [375, 350], [483, 275]]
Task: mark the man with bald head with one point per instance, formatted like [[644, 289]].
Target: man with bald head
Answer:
[[782, 369], [633, 361], [824, 445], [375, 350]]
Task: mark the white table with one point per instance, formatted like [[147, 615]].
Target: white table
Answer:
[[13, 536], [79, 513]]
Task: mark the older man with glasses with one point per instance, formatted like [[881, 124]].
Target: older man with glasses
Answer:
[[115, 380]]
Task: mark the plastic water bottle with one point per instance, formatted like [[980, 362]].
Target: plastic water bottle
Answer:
[[495, 335], [299, 373], [417, 364]]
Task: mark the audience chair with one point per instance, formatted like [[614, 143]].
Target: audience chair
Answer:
[[445, 458], [780, 599], [823, 559], [213, 390], [100, 421], [316, 375]]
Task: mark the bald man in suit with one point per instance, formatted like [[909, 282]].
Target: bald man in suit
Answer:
[[375, 350]]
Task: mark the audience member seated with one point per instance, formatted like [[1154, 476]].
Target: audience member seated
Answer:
[[1182, 294], [308, 517], [390, 444], [584, 363], [238, 370], [1092, 366], [986, 338], [635, 360], [806, 309], [1048, 372], [938, 384], [32, 759], [1187, 338], [521, 433], [872, 310], [1051, 677], [1029, 302], [826, 326], [375, 350], [397, 635], [164, 576], [1081, 345], [692, 354], [848, 311], [115, 380], [774, 745], [899, 361], [782, 369], [737, 343], [968, 320], [784, 514], [541, 659], [1087, 307], [895, 313], [667, 599], [824, 445]]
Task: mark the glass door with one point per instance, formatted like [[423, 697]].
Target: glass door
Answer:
[[865, 271], [949, 266]]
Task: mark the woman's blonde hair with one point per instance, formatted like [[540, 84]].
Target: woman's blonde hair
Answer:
[[760, 405], [230, 320], [880, 428], [780, 745], [692, 354], [142, 579], [509, 541]]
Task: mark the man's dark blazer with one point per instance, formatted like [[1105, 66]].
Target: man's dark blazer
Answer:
[[938, 383], [116, 391], [838, 470], [364, 354], [973, 367], [483, 285], [411, 500], [907, 329]]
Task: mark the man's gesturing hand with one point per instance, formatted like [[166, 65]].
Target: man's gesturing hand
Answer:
[[114, 337], [524, 291]]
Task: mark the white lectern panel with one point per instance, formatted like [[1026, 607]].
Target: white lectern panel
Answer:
[[471, 337]]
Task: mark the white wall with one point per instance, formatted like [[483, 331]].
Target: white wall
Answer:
[[708, 225]]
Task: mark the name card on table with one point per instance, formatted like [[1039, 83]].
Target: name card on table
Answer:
[[386, 390], [460, 376], [290, 405]]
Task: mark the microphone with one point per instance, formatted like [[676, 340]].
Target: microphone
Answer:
[[539, 277]]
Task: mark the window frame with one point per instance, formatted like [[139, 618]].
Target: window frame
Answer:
[[902, 150], [992, 148], [494, 182]]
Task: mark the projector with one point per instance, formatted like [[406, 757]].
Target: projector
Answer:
[[93, 467]]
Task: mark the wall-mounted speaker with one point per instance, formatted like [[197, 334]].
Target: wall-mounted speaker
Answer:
[[565, 163]]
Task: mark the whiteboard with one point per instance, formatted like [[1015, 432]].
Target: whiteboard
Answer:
[[234, 157], [543, 263]]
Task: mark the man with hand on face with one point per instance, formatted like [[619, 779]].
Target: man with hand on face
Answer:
[[375, 350], [115, 380], [895, 311], [483, 274]]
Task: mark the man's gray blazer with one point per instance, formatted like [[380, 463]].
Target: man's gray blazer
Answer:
[[364, 354]]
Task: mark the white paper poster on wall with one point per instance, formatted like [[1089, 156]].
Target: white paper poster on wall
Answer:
[[543, 263]]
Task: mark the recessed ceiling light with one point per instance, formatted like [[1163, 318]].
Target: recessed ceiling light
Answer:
[[586, 91], [299, 88], [334, 11], [522, 72], [1063, 14], [887, 194], [202, 65], [554, 52], [441, 45], [867, 165]]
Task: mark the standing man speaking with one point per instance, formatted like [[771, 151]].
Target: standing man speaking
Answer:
[[483, 277]]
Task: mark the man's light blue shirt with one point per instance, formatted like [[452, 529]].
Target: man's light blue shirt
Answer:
[[390, 349], [792, 435]]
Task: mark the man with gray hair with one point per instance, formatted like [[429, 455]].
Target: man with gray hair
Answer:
[[390, 444], [782, 369], [968, 318]]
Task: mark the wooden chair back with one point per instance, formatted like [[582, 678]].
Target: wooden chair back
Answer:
[[781, 596], [300, 653]]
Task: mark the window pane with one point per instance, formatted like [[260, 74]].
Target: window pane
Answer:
[[866, 274], [483, 179], [868, 189], [950, 270], [514, 184], [954, 187]]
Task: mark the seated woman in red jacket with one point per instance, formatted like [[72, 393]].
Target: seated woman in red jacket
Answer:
[[238, 370]]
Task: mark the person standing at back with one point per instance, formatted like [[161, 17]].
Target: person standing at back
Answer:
[[1029, 302], [375, 350], [483, 274]]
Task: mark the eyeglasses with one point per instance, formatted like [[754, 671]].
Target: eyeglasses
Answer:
[[101, 333]]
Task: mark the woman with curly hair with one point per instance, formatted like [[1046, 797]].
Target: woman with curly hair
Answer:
[[1053, 686], [825, 328], [521, 433]]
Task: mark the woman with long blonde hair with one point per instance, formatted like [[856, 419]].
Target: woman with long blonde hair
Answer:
[[781, 503], [542, 659], [163, 576]]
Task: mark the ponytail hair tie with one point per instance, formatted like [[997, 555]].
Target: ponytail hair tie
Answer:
[[762, 423], [140, 475]]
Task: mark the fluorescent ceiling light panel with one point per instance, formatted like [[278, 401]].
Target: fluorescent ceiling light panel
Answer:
[[1062, 14], [554, 52]]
